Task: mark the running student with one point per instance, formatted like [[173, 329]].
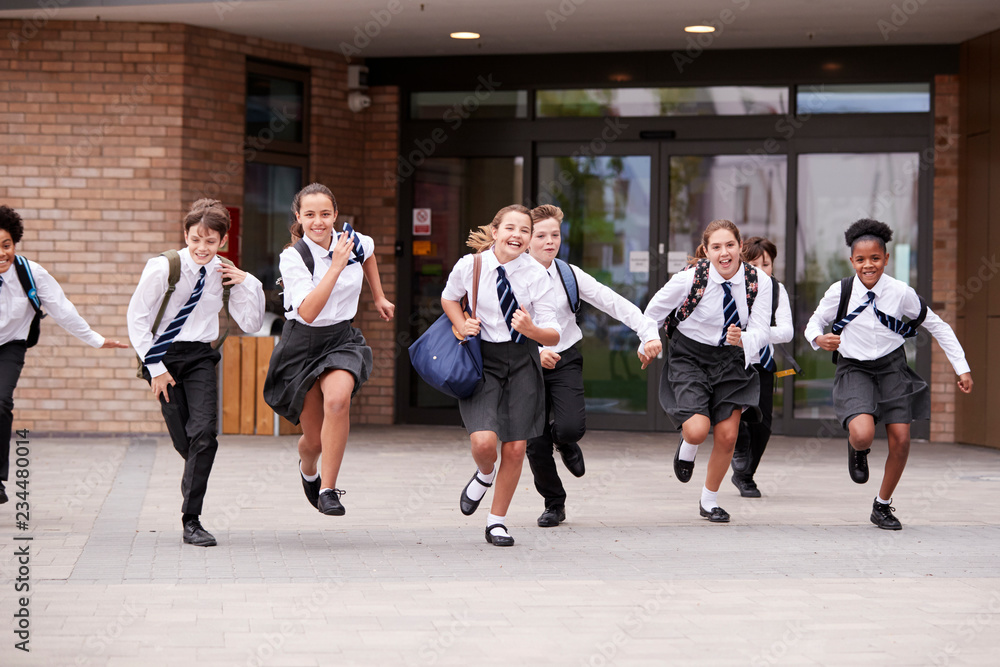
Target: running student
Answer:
[[322, 361], [18, 324], [173, 338], [753, 437], [508, 404], [562, 364], [715, 333], [873, 382]]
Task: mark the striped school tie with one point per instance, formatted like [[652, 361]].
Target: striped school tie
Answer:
[[732, 316], [508, 304], [904, 329], [839, 326], [766, 359], [358, 255], [155, 354]]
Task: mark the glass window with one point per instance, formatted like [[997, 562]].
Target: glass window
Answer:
[[606, 206], [275, 107], [864, 98], [834, 190], [481, 103], [462, 194], [704, 101]]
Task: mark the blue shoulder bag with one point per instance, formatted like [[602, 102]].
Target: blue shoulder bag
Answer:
[[444, 359]]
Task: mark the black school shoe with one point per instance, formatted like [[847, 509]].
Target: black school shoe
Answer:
[[572, 457], [499, 540], [552, 517], [883, 518], [467, 504], [329, 503], [682, 469], [857, 463], [196, 535], [311, 488], [717, 515], [741, 457], [3, 494], [746, 485]]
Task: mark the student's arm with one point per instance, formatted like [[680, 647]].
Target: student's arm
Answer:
[[824, 314], [623, 310], [758, 332], [451, 297], [543, 303], [246, 297], [943, 334], [312, 304], [384, 307], [670, 296], [142, 309], [62, 310], [783, 329]]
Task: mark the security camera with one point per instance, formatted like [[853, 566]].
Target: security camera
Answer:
[[358, 101]]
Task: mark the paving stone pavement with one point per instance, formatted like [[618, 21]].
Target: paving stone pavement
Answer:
[[634, 577]]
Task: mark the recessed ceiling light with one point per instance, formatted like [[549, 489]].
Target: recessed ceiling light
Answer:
[[832, 67], [465, 35], [699, 28]]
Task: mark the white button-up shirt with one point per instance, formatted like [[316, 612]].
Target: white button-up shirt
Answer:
[[705, 324], [298, 283], [246, 304], [16, 312], [528, 280], [865, 337], [783, 329], [602, 297]]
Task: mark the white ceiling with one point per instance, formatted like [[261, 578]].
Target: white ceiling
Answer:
[[421, 27]]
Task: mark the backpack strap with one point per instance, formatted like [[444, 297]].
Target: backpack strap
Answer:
[[225, 306], [569, 284], [775, 291], [682, 312], [307, 256], [173, 275], [750, 284], [27, 281], [846, 286]]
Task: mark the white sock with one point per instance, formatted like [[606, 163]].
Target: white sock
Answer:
[[688, 451], [308, 478], [322, 491], [884, 502], [475, 490], [493, 519], [708, 499]]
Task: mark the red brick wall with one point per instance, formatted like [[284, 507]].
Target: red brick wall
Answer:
[[108, 131], [945, 277]]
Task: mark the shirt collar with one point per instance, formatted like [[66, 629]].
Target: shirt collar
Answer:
[[717, 277], [187, 263], [316, 249], [878, 287]]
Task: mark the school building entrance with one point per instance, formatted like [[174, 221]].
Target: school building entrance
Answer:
[[639, 172]]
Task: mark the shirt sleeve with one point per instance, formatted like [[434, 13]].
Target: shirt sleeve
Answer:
[[669, 297], [61, 309], [296, 279], [142, 309], [460, 276], [246, 304], [758, 331], [942, 332], [543, 303], [596, 293], [367, 245], [783, 329], [823, 315]]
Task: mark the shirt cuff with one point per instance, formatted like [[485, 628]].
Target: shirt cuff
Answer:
[[157, 369], [962, 367]]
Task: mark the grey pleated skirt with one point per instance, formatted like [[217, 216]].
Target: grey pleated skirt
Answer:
[[510, 399], [303, 354], [710, 380], [885, 388]]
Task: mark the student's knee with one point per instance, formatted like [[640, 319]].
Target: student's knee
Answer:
[[484, 444], [862, 431], [568, 433], [336, 403], [899, 441], [695, 430], [513, 450]]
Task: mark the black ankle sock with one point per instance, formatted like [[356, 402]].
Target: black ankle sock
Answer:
[[188, 517]]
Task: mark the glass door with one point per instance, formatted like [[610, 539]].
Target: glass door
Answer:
[[609, 200]]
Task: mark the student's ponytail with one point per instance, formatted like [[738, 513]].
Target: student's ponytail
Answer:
[[482, 238]]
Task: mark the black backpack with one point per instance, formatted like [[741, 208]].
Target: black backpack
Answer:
[[28, 285]]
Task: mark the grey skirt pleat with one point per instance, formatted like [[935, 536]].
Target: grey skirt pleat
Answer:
[[886, 388], [510, 399]]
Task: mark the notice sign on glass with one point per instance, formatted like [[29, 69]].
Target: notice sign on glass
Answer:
[[421, 222]]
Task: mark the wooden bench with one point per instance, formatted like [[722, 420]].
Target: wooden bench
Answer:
[[244, 367]]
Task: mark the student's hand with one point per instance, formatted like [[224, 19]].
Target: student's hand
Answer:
[[549, 358], [108, 344], [734, 335], [471, 327], [385, 308], [652, 348], [521, 322], [341, 253], [965, 383], [159, 385], [829, 342], [231, 275], [644, 360]]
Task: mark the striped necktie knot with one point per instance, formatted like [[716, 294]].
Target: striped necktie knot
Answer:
[[839, 326], [508, 304]]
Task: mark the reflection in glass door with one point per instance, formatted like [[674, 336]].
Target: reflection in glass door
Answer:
[[606, 232], [834, 190]]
